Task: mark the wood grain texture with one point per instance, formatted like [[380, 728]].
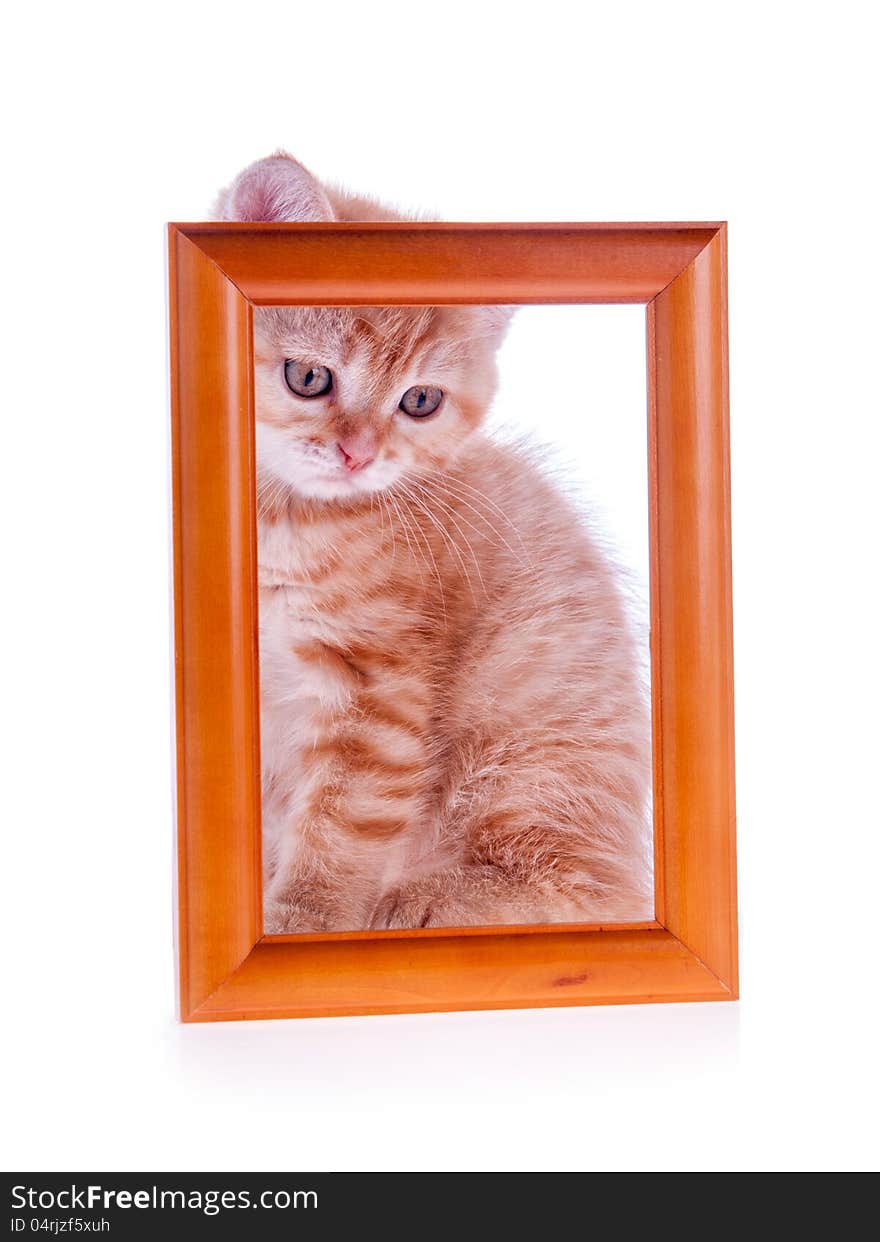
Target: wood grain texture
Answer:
[[333, 264], [227, 970], [215, 623], [417, 975], [693, 658]]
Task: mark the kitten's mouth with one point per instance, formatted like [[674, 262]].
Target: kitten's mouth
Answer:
[[338, 478], [368, 478], [332, 484]]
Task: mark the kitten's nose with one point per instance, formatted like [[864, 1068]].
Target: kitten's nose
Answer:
[[357, 451]]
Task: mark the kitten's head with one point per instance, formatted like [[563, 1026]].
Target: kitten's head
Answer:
[[351, 399]]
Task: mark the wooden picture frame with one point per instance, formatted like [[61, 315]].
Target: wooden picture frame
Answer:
[[227, 968]]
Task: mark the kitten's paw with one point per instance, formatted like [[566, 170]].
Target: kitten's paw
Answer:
[[443, 899], [471, 896], [407, 906], [284, 918]]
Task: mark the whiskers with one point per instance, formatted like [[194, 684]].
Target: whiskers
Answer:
[[447, 530], [471, 497], [453, 495], [272, 495], [417, 497], [418, 543], [456, 511]]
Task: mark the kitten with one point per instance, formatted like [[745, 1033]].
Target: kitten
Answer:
[[452, 726]]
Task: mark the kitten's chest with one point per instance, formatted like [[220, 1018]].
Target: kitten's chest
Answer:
[[312, 587], [295, 583]]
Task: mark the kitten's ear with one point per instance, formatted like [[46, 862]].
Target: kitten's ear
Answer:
[[277, 188]]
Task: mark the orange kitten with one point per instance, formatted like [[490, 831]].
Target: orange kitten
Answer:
[[452, 726]]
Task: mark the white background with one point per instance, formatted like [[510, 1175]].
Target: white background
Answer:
[[119, 119], [589, 427]]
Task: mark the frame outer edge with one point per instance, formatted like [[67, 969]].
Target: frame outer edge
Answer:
[[220, 902], [215, 624], [695, 611]]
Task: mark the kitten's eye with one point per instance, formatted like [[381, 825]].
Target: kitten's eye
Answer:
[[420, 402], [306, 379]]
